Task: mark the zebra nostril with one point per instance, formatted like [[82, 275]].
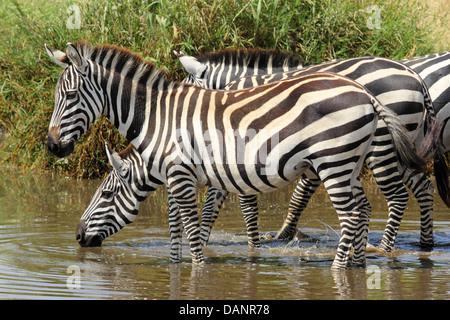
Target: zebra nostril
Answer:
[[79, 237]]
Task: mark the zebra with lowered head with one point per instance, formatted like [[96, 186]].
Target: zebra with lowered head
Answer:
[[117, 200], [246, 141], [398, 88]]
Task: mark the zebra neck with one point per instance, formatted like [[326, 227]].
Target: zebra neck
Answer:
[[130, 96]]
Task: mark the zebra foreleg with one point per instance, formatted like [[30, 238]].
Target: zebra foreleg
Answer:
[[184, 193], [213, 203], [299, 200], [249, 207], [175, 229]]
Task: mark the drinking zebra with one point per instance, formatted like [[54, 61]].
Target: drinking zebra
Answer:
[[397, 87], [324, 121]]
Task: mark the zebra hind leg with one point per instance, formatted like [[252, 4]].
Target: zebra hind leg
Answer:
[[299, 200], [397, 198], [249, 207], [213, 203], [360, 242], [422, 189], [344, 202]]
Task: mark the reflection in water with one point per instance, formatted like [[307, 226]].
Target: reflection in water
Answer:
[[39, 214]]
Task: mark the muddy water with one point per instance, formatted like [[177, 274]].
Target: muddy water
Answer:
[[40, 259]]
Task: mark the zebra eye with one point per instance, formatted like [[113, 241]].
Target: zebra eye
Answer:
[[107, 194], [71, 94]]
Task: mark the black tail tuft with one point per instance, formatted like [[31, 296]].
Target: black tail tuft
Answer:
[[441, 174]]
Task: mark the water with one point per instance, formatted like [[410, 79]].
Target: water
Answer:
[[40, 259]]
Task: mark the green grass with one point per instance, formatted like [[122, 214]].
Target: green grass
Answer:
[[315, 30]]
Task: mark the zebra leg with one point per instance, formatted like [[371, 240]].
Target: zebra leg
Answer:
[[299, 200], [342, 195], [397, 198], [184, 193], [360, 242], [422, 189], [382, 161], [249, 207], [214, 201], [176, 230], [349, 222]]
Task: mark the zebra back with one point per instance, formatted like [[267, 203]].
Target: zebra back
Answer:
[[215, 70], [434, 69]]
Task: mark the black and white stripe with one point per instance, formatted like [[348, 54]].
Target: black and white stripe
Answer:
[[216, 70], [434, 69], [248, 141], [400, 89]]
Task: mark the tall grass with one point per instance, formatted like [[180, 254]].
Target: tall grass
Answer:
[[315, 30]]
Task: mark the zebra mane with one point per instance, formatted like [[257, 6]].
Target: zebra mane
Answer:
[[249, 56], [136, 62]]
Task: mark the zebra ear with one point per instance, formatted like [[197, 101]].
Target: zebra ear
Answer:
[[191, 64], [59, 57], [75, 57], [114, 159]]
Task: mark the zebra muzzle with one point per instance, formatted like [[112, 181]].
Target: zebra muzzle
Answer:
[[59, 148], [86, 240]]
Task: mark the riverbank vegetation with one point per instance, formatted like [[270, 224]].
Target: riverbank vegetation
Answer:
[[315, 30]]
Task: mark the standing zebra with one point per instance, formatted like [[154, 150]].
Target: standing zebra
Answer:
[[398, 88], [323, 121]]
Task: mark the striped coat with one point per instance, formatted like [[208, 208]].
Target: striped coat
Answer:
[[260, 139], [400, 89]]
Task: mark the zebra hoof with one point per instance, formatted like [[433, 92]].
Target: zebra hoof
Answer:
[[358, 263], [384, 248], [285, 234], [427, 245], [338, 266]]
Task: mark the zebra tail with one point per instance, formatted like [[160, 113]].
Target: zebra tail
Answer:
[[441, 174], [406, 152], [432, 129]]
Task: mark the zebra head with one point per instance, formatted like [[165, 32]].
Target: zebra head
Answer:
[[77, 104], [116, 202]]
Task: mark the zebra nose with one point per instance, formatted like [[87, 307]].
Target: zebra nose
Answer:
[[81, 231], [53, 140], [52, 146], [83, 239], [58, 148]]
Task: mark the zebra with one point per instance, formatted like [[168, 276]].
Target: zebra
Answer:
[[104, 208], [116, 201], [321, 120], [376, 74], [434, 69]]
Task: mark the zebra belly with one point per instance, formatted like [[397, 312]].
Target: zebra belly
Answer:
[[249, 179]]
